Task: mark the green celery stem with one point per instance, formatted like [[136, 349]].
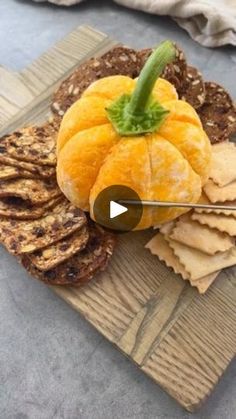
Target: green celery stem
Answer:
[[153, 68]]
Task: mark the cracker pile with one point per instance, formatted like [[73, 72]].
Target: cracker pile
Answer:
[[51, 238], [201, 243], [211, 101]]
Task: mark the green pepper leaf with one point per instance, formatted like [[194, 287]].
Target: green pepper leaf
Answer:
[[139, 113], [127, 124]]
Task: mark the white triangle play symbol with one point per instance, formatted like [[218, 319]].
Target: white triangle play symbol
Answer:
[[116, 209]]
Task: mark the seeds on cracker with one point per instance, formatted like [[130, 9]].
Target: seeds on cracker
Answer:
[[11, 172], [17, 208], [35, 191], [119, 60], [221, 222], [176, 71], [193, 89], [33, 144], [217, 194], [80, 268], [27, 236], [40, 171], [201, 237], [223, 168], [53, 255], [218, 113]]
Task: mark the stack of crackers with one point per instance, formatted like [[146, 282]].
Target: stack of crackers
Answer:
[[199, 244], [53, 239]]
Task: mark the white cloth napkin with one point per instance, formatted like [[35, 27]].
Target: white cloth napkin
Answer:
[[212, 23]]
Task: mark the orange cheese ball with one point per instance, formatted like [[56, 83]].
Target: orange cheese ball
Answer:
[[169, 165]]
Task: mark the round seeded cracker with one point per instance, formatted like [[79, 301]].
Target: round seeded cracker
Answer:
[[119, 60], [218, 114], [174, 72], [82, 267], [34, 144], [193, 89]]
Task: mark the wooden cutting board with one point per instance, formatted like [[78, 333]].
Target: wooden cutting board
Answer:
[[182, 340]]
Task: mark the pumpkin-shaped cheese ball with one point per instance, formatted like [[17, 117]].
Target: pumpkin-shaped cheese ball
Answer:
[[138, 134]]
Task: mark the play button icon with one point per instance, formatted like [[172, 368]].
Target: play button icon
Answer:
[[109, 211], [116, 209]]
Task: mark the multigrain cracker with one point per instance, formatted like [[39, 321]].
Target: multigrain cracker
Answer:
[[82, 267], [39, 171], [199, 264], [174, 72], [56, 253], [17, 208], [221, 222], [201, 237], [35, 191], [193, 90], [33, 144], [27, 236], [218, 113], [217, 194], [119, 60], [10, 172], [223, 167]]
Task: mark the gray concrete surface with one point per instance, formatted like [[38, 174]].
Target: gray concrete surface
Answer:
[[53, 364]]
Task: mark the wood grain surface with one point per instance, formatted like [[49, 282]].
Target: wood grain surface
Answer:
[[182, 340]]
